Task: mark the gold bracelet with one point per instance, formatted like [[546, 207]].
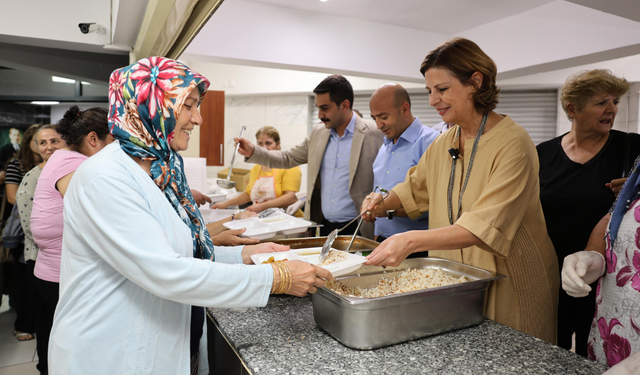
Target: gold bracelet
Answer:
[[287, 283], [283, 277], [275, 286]]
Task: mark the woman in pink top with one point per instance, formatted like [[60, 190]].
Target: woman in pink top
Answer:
[[86, 133]]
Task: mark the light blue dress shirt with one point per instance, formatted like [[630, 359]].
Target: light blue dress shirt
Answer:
[[391, 166], [337, 205]]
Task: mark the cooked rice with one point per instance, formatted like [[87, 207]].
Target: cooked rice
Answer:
[[407, 281], [334, 256]]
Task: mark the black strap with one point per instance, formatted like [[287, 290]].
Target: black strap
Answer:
[[4, 204], [626, 162], [452, 176]]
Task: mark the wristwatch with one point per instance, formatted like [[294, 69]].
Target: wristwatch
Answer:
[[390, 214]]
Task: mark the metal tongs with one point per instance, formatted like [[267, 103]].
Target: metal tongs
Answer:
[[334, 234]]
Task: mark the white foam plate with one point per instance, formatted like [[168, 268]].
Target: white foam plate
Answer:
[[219, 197], [268, 227], [312, 255], [281, 255], [211, 216]]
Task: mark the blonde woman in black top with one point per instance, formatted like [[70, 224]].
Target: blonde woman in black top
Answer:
[[580, 174]]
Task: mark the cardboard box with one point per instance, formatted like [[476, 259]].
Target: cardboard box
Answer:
[[239, 176]]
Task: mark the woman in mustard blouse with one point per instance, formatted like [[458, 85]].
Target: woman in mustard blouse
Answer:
[[268, 187], [479, 182]]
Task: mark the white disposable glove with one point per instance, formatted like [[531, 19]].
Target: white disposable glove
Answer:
[[295, 207], [581, 269]]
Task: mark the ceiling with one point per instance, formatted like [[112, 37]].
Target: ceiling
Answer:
[[389, 38], [435, 16], [368, 38]]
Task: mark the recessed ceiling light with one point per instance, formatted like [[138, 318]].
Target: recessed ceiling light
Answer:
[[45, 102], [323, 1], [62, 80]]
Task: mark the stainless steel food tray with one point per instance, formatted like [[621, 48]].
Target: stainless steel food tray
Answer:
[[369, 323]]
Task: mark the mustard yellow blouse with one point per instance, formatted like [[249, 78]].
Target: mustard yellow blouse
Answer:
[[284, 179], [501, 206]]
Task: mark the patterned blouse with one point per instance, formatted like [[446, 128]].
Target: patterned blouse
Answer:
[[615, 331], [24, 198]]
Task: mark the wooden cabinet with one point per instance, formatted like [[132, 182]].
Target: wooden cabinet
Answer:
[[212, 128]]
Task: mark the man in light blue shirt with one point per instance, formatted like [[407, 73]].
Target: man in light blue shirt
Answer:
[[339, 152], [406, 139], [337, 206]]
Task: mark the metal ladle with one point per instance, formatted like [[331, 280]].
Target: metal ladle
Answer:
[[228, 184]]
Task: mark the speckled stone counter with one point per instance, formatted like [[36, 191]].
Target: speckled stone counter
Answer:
[[282, 338]]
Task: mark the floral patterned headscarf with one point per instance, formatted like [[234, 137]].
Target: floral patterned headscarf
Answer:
[[145, 99]]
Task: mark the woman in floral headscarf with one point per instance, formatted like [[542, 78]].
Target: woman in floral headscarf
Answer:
[[130, 271], [612, 256]]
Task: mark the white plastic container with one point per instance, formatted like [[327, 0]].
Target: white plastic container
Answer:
[[312, 255], [211, 216], [268, 227], [217, 197]]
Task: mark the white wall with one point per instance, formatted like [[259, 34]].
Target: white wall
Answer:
[[249, 80], [626, 67], [289, 114], [58, 111], [56, 20], [632, 104], [257, 97]]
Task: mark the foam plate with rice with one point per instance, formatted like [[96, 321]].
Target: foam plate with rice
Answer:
[[345, 263]]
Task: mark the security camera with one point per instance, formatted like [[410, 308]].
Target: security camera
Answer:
[[87, 28]]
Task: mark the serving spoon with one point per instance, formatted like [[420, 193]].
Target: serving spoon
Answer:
[[228, 184]]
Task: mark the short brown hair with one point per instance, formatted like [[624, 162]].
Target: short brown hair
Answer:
[[270, 132], [338, 87], [462, 57], [580, 87]]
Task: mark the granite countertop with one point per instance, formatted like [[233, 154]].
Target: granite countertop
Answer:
[[282, 338]]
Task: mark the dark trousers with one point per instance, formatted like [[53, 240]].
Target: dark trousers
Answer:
[[419, 254], [328, 227], [24, 300], [576, 315], [6, 281], [48, 294]]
